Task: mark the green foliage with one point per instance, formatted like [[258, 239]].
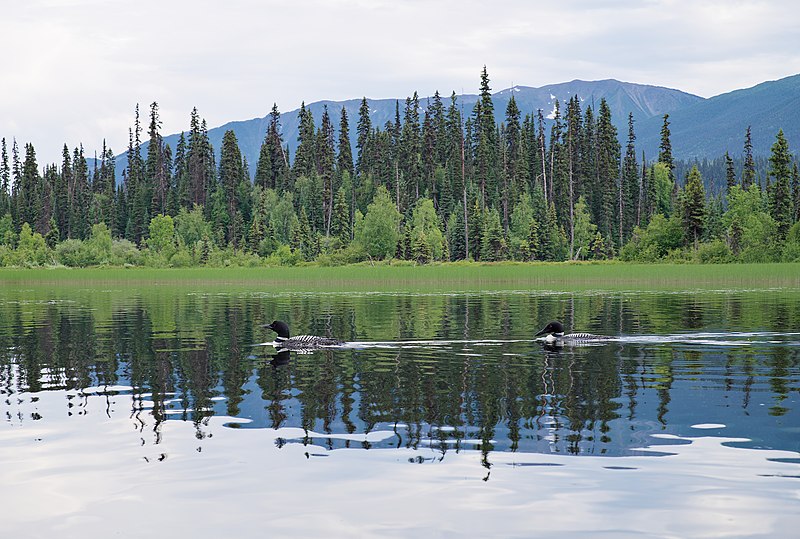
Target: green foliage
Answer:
[[663, 188], [425, 227], [191, 225], [654, 242], [693, 200], [162, 235], [751, 230], [380, 230], [713, 252], [791, 249], [7, 235], [585, 231]]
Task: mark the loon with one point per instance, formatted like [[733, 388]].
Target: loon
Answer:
[[299, 342], [554, 335]]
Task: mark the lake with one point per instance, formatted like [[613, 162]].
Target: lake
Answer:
[[156, 411]]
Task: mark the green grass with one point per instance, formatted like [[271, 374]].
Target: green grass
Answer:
[[444, 277]]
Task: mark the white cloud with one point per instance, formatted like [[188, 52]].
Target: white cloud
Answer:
[[73, 70]]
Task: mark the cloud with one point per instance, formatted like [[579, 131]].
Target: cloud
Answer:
[[79, 67]]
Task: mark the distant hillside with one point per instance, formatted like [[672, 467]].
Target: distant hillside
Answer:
[[700, 128], [708, 128], [644, 101]]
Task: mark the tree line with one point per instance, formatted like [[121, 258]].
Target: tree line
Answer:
[[434, 184]]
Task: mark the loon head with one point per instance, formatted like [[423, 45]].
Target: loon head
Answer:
[[281, 328], [552, 328]]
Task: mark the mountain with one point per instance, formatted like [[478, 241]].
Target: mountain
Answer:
[[710, 127], [644, 101], [700, 128]]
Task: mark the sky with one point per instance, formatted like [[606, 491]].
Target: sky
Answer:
[[74, 70]]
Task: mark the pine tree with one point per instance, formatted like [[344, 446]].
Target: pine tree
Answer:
[[344, 160], [304, 159], [326, 167], [608, 164], [573, 152], [780, 194], [5, 181], [730, 173], [749, 168], [513, 161], [693, 206], [157, 167], [278, 156], [493, 243], [665, 148], [629, 192], [485, 142], [340, 224], [27, 195], [231, 175]]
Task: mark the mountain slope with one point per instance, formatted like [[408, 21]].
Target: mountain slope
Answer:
[[644, 101], [710, 127]]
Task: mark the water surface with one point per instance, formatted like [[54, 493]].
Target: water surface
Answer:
[[133, 411]]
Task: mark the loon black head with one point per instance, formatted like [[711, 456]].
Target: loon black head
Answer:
[[281, 328], [552, 328]]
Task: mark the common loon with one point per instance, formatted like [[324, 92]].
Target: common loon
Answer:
[[554, 334], [299, 342]]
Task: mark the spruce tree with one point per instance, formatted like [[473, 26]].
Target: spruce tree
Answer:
[[693, 207], [749, 167], [608, 164], [326, 167], [344, 160], [630, 186], [5, 181], [231, 175], [780, 195], [665, 148], [278, 156], [730, 173]]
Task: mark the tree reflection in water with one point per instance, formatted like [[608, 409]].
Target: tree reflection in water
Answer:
[[190, 356]]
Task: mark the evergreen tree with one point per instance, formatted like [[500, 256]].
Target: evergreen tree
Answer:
[[665, 148], [749, 167], [780, 194], [157, 168], [693, 206], [340, 224], [574, 152], [27, 195], [5, 181], [485, 142], [278, 155], [364, 134], [608, 164], [730, 173], [231, 174], [344, 160], [493, 243], [326, 167], [630, 187]]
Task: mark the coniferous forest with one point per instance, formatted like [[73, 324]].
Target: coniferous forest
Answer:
[[441, 185]]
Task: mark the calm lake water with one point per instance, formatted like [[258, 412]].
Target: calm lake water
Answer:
[[155, 412]]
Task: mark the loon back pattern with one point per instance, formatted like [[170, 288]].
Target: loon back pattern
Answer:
[[307, 341]]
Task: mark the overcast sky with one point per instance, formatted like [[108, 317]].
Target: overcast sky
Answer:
[[73, 70]]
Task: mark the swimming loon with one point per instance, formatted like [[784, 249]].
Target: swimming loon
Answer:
[[299, 342], [554, 333]]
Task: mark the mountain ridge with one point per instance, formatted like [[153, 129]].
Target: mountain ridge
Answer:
[[689, 115]]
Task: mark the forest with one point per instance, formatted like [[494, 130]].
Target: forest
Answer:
[[436, 184]]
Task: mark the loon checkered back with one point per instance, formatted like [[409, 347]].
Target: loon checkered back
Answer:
[[299, 342]]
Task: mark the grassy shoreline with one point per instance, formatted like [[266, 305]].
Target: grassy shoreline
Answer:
[[457, 276]]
